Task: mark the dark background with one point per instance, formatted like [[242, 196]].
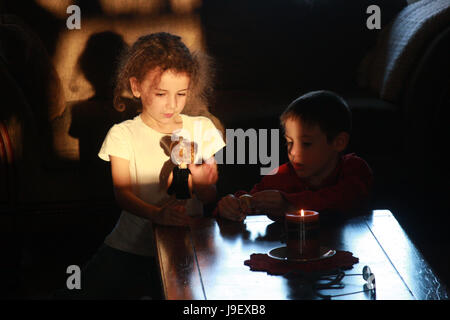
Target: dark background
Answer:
[[56, 211]]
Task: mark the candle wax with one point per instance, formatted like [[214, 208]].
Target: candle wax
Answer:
[[309, 216]]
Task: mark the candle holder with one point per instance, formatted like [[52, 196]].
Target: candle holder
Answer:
[[302, 229]]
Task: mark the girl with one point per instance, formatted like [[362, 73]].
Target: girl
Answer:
[[161, 73]]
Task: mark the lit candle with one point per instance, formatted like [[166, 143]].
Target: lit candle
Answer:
[[302, 228]]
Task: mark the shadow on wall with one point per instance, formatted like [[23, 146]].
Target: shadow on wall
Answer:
[[92, 118], [83, 61]]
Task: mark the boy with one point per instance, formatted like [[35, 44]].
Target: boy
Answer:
[[318, 176]]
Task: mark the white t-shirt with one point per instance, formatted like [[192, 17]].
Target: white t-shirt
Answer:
[[150, 165]]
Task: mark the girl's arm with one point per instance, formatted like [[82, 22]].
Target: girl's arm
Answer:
[[204, 178], [171, 214]]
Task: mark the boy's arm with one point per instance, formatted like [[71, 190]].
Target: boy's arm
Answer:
[[351, 191], [263, 185], [228, 203]]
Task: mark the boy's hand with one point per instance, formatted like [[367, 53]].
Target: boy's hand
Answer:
[[229, 208], [173, 214], [270, 202]]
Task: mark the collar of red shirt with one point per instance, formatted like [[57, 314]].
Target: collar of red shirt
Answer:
[[328, 181]]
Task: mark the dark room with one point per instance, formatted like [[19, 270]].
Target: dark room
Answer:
[[224, 150]]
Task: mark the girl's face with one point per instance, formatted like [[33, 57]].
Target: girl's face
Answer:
[[310, 154], [161, 101]]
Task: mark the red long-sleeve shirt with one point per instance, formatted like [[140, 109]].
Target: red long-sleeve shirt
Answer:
[[347, 188]]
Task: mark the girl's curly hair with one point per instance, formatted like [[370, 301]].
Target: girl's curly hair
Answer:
[[164, 51]]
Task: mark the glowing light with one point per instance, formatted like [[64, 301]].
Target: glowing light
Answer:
[[302, 213], [184, 6], [71, 44], [140, 7], [58, 8]]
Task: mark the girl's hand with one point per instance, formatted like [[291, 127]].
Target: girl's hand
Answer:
[[204, 174], [172, 214], [229, 208], [270, 202]]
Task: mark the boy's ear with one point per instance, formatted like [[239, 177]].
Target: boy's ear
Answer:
[[134, 84], [341, 141]]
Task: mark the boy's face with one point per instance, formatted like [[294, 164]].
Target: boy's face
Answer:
[[310, 154]]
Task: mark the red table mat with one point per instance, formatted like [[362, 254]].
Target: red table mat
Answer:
[[262, 262]]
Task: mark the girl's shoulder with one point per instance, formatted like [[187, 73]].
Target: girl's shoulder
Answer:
[[194, 118], [196, 121], [128, 125], [125, 130], [136, 121]]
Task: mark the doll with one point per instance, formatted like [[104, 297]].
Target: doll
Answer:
[[180, 179]]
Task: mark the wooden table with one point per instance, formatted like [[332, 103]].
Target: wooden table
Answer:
[[206, 260]]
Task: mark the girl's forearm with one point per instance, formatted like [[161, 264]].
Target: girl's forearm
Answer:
[[128, 201]]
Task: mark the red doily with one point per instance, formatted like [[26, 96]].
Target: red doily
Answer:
[[262, 262]]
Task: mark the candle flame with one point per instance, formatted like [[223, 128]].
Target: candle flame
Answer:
[[302, 213]]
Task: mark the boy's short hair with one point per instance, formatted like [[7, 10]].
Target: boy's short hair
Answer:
[[324, 108]]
